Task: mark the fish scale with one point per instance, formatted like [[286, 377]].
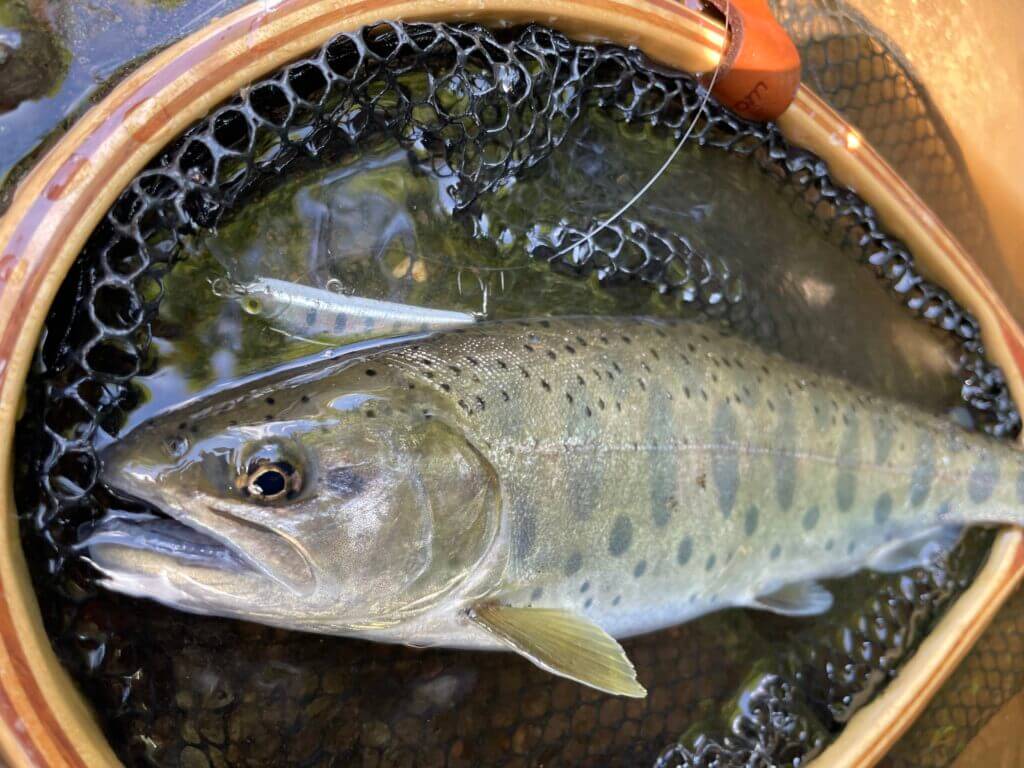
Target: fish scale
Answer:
[[646, 487]]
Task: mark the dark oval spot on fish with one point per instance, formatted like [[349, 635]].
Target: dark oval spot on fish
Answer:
[[573, 564], [662, 512], [725, 468], [685, 551], [750, 524], [639, 569], [525, 536], [983, 478], [663, 468], [883, 439], [785, 456], [811, 518], [846, 490], [924, 470], [883, 508], [621, 536], [848, 459]]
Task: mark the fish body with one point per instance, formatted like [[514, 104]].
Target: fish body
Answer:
[[474, 488], [645, 487]]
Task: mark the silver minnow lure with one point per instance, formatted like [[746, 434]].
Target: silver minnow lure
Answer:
[[305, 311], [541, 487]]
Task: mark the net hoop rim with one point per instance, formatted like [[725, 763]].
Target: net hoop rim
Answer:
[[43, 719]]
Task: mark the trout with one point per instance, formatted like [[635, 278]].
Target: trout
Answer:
[[544, 487]]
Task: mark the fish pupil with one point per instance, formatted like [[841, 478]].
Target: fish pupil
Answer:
[[272, 481]]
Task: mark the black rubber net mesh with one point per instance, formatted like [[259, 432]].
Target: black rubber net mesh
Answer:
[[989, 677], [847, 62], [479, 108]]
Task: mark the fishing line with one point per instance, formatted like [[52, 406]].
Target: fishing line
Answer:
[[477, 267], [296, 337], [672, 156], [629, 204]]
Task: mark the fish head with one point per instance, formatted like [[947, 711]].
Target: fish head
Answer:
[[342, 507]]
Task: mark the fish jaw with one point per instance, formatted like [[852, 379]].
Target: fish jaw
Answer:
[[162, 536], [192, 542], [157, 558]]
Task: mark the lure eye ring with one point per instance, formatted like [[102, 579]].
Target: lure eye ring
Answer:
[[271, 481]]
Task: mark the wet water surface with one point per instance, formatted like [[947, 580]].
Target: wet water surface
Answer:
[[378, 228]]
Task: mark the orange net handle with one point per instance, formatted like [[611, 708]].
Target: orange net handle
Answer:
[[760, 72]]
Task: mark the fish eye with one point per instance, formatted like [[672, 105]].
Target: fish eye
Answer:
[[252, 305], [270, 481]]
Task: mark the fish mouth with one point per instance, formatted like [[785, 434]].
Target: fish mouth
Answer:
[[164, 536]]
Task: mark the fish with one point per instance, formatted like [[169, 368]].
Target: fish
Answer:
[[547, 487], [308, 312]]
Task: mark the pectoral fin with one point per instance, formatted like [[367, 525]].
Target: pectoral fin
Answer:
[[801, 598], [562, 643]]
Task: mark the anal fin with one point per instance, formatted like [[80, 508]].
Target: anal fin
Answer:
[[801, 598], [916, 550], [564, 644]]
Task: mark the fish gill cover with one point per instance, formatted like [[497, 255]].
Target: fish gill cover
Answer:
[[479, 109]]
